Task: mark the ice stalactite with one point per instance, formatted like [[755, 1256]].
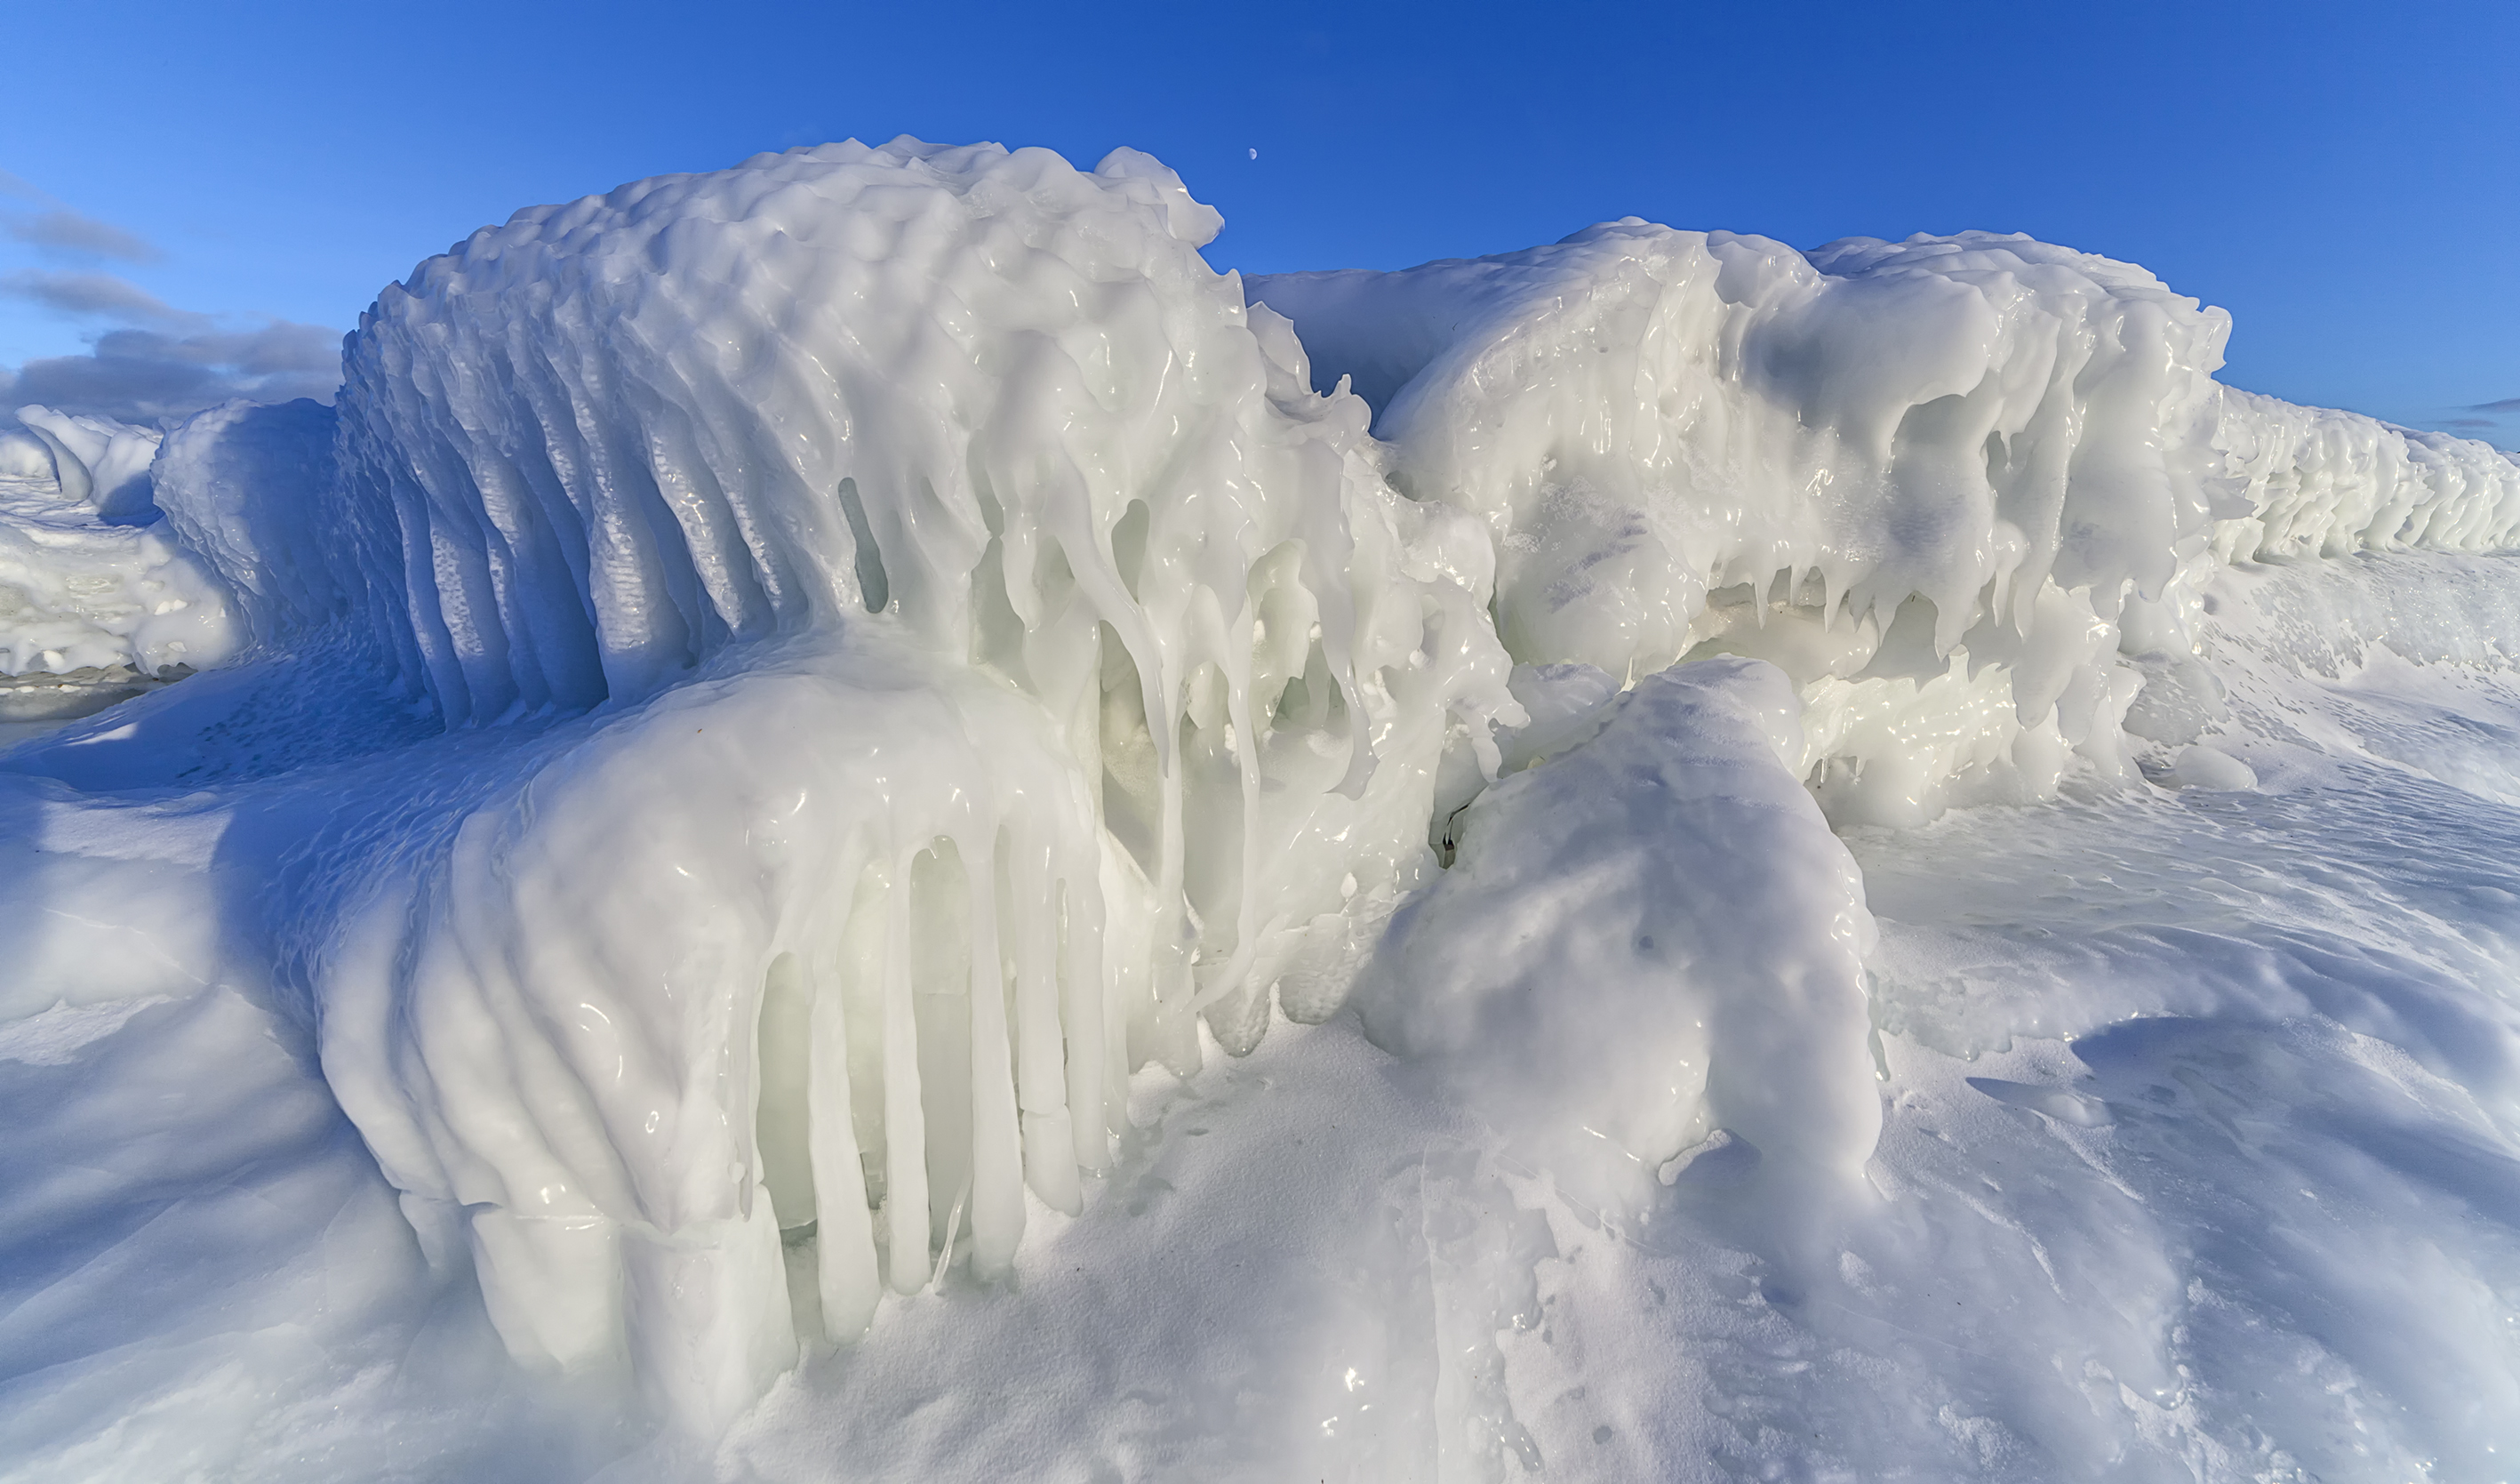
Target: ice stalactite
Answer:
[[1004, 662]]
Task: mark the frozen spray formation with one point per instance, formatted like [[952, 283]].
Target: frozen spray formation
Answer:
[[915, 646], [1054, 668], [1943, 484]]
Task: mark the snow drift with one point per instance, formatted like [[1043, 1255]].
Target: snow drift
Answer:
[[1651, 943]]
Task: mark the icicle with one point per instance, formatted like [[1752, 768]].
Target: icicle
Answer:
[[1079, 927], [845, 1248], [1041, 1090], [905, 1124], [995, 1177]]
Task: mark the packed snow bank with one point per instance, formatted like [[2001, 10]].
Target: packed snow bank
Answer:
[[1940, 483], [1067, 673], [97, 596], [1649, 942]]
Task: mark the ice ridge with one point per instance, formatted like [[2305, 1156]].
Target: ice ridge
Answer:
[[1942, 483]]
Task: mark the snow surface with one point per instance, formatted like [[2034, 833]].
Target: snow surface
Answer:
[[743, 907]]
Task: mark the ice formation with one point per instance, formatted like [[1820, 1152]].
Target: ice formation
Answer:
[[1032, 664], [780, 691], [98, 462], [96, 594], [1941, 482], [1647, 944]]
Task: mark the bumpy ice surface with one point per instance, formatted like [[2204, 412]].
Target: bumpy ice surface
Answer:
[[853, 821]]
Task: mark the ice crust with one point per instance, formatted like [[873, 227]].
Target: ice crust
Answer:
[[1942, 482], [790, 714]]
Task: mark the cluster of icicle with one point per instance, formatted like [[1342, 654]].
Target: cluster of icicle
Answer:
[[1006, 661], [1953, 486]]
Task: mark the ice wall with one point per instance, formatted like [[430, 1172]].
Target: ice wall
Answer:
[[1004, 661], [1941, 482]]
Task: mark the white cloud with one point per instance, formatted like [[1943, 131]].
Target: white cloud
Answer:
[[68, 232], [151, 377], [99, 294], [153, 363]]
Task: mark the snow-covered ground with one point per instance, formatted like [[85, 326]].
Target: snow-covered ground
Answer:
[[741, 905]]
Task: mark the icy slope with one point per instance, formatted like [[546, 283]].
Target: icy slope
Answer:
[[1939, 481]]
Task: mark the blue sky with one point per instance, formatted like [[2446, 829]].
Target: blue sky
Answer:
[[201, 198]]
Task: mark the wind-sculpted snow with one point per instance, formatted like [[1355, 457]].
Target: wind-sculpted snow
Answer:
[[1056, 669], [1933, 481]]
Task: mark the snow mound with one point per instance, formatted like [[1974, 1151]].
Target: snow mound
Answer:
[[1014, 663], [1940, 483], [24, 456], [1649, 942]]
